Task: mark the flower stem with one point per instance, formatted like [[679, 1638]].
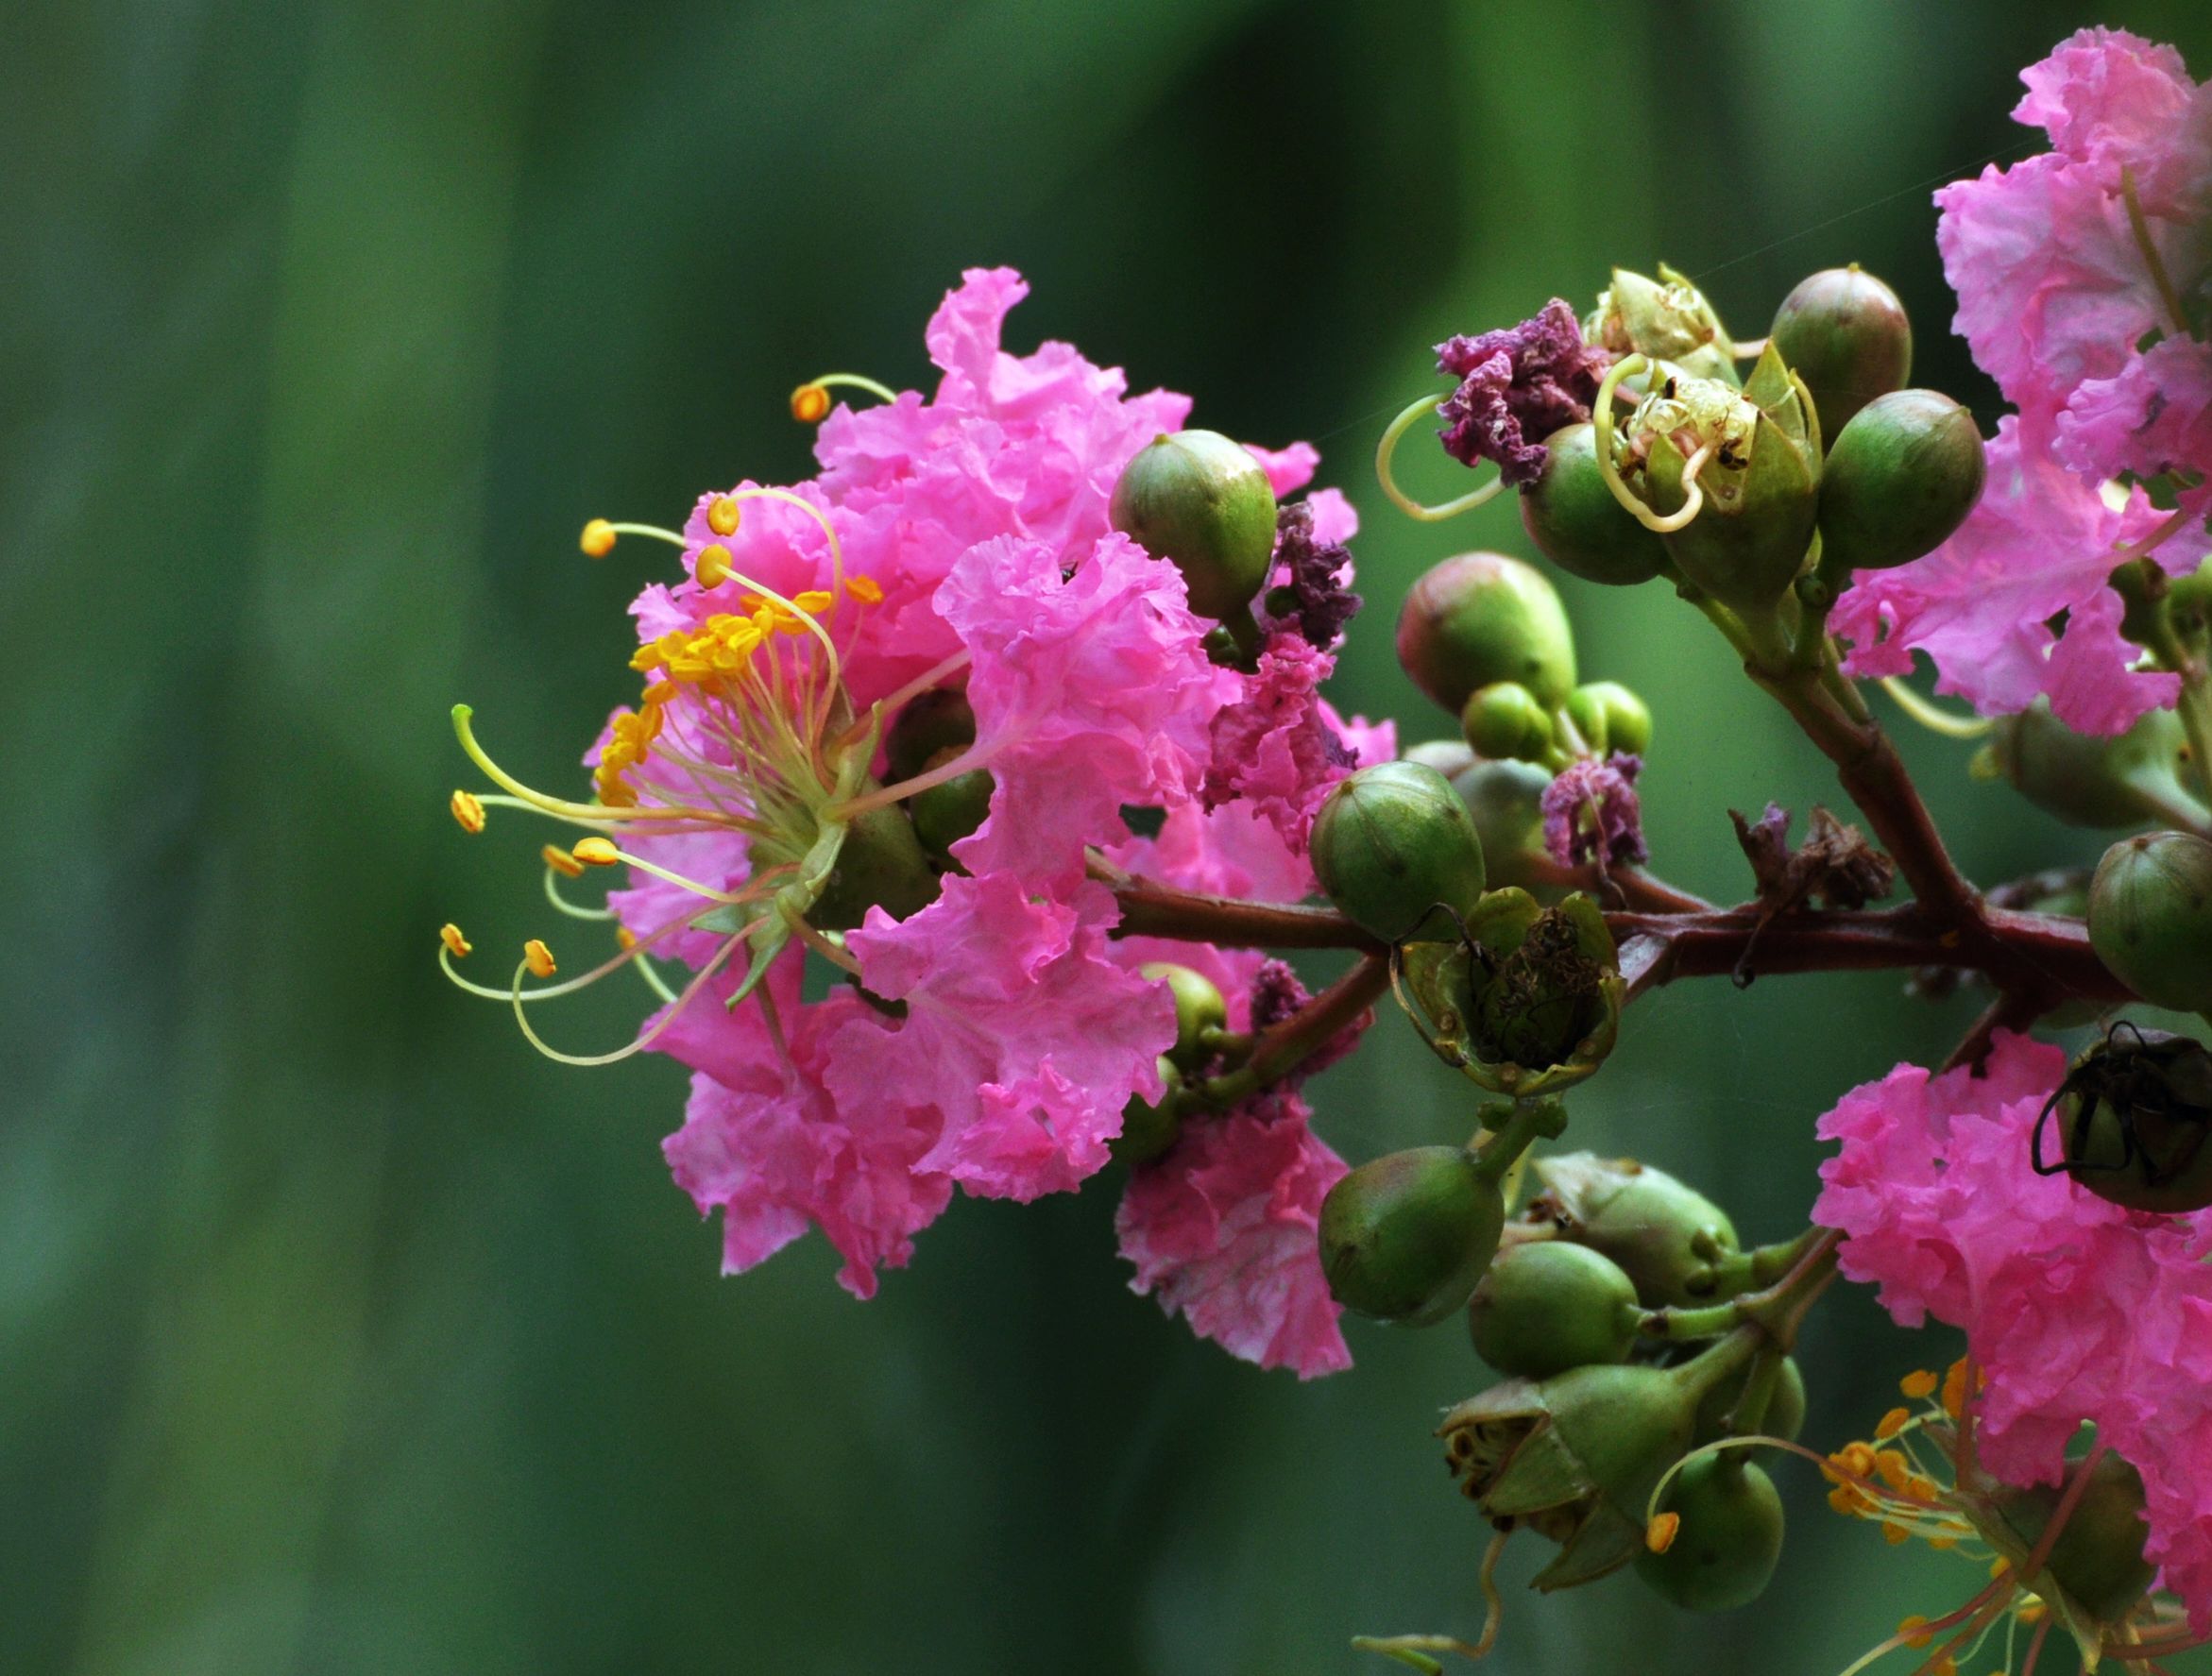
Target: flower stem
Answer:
[[1278, 1052]]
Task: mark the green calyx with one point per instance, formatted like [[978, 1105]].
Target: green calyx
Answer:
[[1546, 1306], [1756, 485], [1405, 1237], [2134, 1117], [880, 863], [1201, 1014], [1846, 335], [937, 722], [1395, 849], [1667, 318], [951, 810], [1201, 500], [1899, 478], [1504, 720], [1725, 1550], [2151, 918], [2095, 782], [1574, 521], [1672, 1241], [2097, 1564], [1528, 1001], [1610, 718], [1479, 618], [1785, 1413], [1506, 801], [1150, 1129]]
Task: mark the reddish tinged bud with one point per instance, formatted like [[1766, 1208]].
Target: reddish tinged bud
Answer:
[[1845, 334], [1483, 618]]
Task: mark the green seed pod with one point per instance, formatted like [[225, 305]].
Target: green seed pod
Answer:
[[1150, 1129], [1575, 522], [2095, 782], [1481, 618], [1785, 1405], [1199, 1010], [947, 812], [1547, 1306], [880, 864], [1611, 717], [2097, 1559], [1201, 500], [939, 720], [1506, 801], [1405, 1237], [1574, 1456], [1669, 1238], [1504, 720], [1845, 334], [2151, 918], [2133, 1116], [1730, 1539], [1899, 479], [1395, 849]]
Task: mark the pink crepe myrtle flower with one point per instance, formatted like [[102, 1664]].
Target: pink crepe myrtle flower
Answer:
[[991, 1034], [2071, 269], [1223, 1228], [2074, 1309], [2041, 541]]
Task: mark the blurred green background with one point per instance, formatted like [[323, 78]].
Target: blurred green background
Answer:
[[341, 1331]]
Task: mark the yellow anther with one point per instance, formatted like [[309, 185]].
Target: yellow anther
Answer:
[[1892, 1423], [624, 935], [468, 810], [1896, 1535], [865, 589], [1658, 1536], [596, 851], [561, 861], [1954, 1388], [816, 603], [1893, 1468], [713, 567], [1915, 1632], [810, 404], [1918, 1386], [2000, 1566], [457, 945], [723, 515], [539, 958], [2031, 1611], [598, 538]]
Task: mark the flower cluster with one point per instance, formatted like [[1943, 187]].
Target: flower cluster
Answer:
[[2079, 274], [2074, 1309]]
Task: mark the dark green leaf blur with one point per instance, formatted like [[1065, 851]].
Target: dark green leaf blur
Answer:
[[339, 1331]]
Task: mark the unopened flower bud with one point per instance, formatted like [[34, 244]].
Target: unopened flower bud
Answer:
[[1504, 720], [1785, 1405], [1150, 1128], [938, 720], [1611, 717], [1669, 1239], [880, 864], [1899, 478], [1546, 1306], [1449, 757], [2134, 1122], [1395, 849], [1199, 1010], [1201, 500], [1845, 334], [1575, 1456], [1667, 318], [1506, 801], [2151, 918], [1405, 1237], [1575, 522], [1481, 617], [1728, 1538], [2087, 780], [2097, 1559], [951, 810]]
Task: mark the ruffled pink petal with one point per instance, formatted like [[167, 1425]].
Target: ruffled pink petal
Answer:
[[2153, 416], [1223, 1231], [1288, 469], [1021, 1034], [2114, 100]]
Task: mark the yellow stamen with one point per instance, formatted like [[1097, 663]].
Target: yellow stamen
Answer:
[[1915, 1632], [713, 567], [1918, 1386], [598, 538], [724, 516], [1892, 1423], [468, 810], [1954, 1388], [865, 589], [810, 404], [1658, 1536], [561, 862], [1896, 1535], [596, 851], [450, 934], [539, 958], [625, 937]]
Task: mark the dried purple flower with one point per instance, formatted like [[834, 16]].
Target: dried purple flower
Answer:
[[1315, 599], [1591, 812], [1516, 387]]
